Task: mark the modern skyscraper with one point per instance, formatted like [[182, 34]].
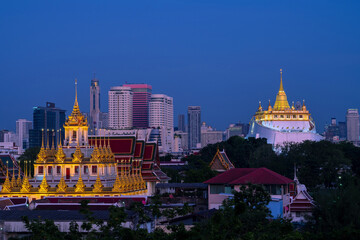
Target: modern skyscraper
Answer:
[[181, 123], [120, 108], [210, 135], [22, 133], [352, 125], [141, 98], [47, 118], [194, 126], [161, 116], [95, 104]]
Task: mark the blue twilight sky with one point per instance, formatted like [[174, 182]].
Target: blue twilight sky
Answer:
[[222, 55]]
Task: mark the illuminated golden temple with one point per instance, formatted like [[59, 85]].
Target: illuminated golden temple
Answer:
[[87, 166], [282, 123]]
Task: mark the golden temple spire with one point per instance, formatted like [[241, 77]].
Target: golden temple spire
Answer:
[[18, 181], [41, 157], [281, 102], [6, 187], [44, 186], [25, 187], [78, 155], [80, 186], [117, 187], [62, 185], [260, 107], [269, 107], [13, 178], [98, 185], [111, 154], [60, 155]]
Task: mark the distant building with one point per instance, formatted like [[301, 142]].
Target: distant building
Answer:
[[47, 118], [161, 116], [181, 123], [94, 119], [237, 129], [2, 132], [210, 135], [332, 131], [342, 130], [194, 126], [140, 106], [22, 133], [222, 186], [352, 126], [120, 108], [181, 140]]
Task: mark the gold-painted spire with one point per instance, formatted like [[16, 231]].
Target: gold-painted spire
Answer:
[[111, 154], [80, 186], [76, 118], [44, 186], [60, 155], [25, 187], [61, 187], [13, 178], [260, 107], [98, 185], [117, 187], [18, 182], [281, 102], [6, 187], [78, 155], [269, 107], [41, 157]]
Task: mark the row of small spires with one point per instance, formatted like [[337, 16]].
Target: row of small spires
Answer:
[[127, 183], [103, 153], [260, 109]]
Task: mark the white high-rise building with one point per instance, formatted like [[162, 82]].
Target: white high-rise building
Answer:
[[120, 108], [22, 134], [161, 116]]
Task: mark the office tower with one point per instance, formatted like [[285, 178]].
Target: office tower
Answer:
[[104, 120], [210, 135], [194, 126], [141, 98], [352, 125], [47, 118], [161, 116], [95, 104], [2, 132], [332, 131], [120, 108], [22, 133], [181, 123], [342, 130]]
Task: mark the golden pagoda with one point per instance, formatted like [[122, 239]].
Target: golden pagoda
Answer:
[[281, 123], [76, 168]]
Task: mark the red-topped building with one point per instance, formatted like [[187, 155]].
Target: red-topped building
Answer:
[[141, 99]]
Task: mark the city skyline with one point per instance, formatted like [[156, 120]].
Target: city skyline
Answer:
[[229, 50]]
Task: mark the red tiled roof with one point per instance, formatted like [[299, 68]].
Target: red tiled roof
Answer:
[[249, 175]]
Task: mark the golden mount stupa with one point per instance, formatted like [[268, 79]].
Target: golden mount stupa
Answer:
[[281, 123], [77, 168]]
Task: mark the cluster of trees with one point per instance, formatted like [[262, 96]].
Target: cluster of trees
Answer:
[[319, 164]]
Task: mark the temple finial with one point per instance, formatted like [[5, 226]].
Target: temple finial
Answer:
[[76, 101], [281, 82]]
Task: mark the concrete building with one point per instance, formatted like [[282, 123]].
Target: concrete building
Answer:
[[194, 126], [181, 138], [120, 108], [94, 119], [22, 134], [352, 125], [181, 123], [47, 119], [210, 135], [161, 116], [237, 129], [140, 108]]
